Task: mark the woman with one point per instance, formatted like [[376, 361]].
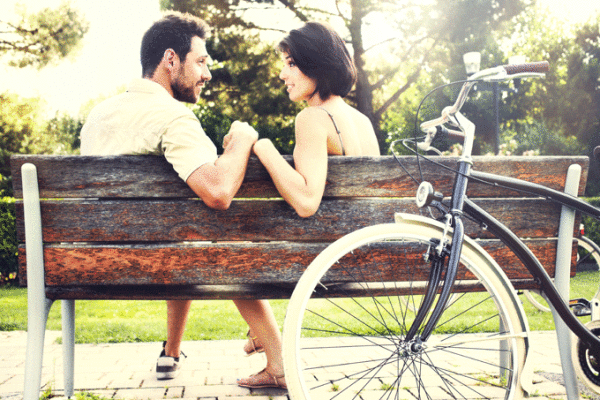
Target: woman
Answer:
[[318, 70]]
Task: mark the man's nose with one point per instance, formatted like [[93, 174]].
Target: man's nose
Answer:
[[207, 75]]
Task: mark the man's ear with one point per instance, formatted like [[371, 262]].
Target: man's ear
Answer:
[[170, 60]]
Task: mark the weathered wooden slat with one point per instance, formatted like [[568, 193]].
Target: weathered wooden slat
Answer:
[[169, 292], [249, 263], [245, 292], [257, 220], [152, 176]]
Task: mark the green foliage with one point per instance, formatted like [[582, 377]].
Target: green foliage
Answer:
[[8, 240], [592, 226], [42, 38], [216, 125], [19, 118], [23, 130], [536, 137], [59, 135]]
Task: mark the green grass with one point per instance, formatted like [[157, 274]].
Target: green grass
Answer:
[[115, 321], [112, 321]]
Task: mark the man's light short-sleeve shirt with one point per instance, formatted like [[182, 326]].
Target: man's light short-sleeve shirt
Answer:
[[148, 120]]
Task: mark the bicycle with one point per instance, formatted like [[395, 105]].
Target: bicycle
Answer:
[[385, 345]]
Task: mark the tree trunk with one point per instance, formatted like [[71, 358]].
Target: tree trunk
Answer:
[[364, 90]]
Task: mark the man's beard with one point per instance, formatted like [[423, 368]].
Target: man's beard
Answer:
[[184, 93]]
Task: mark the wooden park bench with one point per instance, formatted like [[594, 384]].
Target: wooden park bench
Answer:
[[127, 227]]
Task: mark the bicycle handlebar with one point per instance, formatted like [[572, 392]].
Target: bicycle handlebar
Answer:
[[538, 67], [511, 71], [496, 74]]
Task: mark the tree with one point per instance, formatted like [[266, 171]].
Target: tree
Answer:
[[24, 129], [19, 118], [584, 79], [41, 38], [35, 40]]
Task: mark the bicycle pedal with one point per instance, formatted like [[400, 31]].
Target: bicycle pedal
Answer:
[[582, 311], [580, 307]]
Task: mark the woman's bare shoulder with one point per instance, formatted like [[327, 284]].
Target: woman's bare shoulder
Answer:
[[365, 133], [360, 118], [312, 117]]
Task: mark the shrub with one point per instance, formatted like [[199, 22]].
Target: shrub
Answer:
[[592, 226], [8, 240]]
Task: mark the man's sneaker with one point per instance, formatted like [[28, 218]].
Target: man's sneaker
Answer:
[[168, 367]]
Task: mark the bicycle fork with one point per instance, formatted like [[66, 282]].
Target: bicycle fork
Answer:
[[438, 255]]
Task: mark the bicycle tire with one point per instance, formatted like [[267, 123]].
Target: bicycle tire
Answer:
[[587, 362], [591, 248], [587, 250], [378, 360], [540, 303]]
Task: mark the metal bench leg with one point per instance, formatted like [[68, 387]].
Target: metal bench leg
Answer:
[[38, 306], [68, 335], [562, 281], [36, 329]]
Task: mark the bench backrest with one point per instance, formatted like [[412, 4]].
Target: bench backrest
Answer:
[[125, 221]]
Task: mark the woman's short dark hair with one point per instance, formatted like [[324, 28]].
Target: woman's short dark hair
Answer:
[[175, 31], [321, 54]]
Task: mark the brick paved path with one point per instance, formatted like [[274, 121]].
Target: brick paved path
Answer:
[[126, 371]]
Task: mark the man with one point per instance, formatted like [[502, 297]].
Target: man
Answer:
[[150, 119]]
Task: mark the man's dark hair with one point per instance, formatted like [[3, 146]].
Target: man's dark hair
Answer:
[[321, 54], [175, 31]]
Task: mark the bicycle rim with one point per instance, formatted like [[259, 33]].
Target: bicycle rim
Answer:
[[587, 360], [346, 341], [588, 270]]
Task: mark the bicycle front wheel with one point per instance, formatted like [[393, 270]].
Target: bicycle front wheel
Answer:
[[344, 332]]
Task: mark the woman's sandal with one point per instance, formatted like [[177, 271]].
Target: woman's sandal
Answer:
[[263, 379], [253, 347]]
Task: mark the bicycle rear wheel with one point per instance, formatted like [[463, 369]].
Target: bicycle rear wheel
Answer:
[[586, 283], [588, 255], [344, 332]]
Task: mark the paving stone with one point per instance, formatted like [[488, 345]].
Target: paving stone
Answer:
[[126, 371], [140, 394]]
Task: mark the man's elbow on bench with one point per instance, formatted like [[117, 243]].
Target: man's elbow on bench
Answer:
[[218, 197], [219, 200], [215, 191]]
